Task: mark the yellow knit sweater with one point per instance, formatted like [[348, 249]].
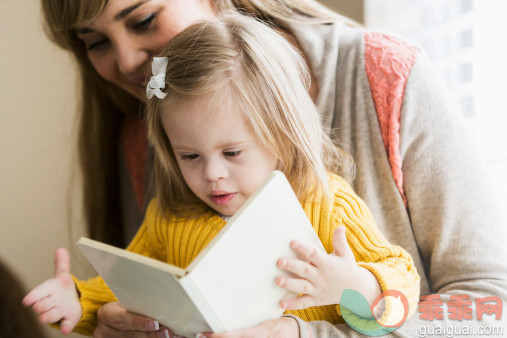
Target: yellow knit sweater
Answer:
[[178, 242]]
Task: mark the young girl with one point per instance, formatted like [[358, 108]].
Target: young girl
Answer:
[[227, 107]]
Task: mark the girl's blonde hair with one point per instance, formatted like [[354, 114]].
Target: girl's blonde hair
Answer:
[[104, 106], [269, 81]]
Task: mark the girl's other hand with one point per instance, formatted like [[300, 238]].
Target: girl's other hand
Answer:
[[56, 300], [321, 277]]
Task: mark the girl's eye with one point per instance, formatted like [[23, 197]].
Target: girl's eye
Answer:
[[145, 23], [189, 156], [97, 45], [232, 153]]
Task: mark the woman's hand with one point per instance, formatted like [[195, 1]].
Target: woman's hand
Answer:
[[322, 276], [113, 320], [56, 299], [281, 327]]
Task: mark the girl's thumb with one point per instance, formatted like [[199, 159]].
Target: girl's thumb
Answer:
[[340, 246], [62, 261]]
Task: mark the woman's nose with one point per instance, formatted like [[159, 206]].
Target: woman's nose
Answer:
[[130, 57]]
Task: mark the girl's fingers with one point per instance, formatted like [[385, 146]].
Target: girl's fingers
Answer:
[[51, 316], [41, 291], [341, 247], [67, 325], [38, 293], [298, 267], [44, 305], [309, 253], [62, 261], [296, 285], [302, 302]]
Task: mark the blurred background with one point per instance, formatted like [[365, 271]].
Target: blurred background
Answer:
[[38, 92]]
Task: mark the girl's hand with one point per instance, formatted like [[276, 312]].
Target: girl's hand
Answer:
[[280, 327], [56, 299], [322, 276]]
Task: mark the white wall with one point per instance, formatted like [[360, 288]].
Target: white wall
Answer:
[[351, 8], [37, 104]]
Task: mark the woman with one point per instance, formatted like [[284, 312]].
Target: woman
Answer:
[[416, 168]]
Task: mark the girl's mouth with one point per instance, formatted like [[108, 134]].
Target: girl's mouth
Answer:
[[223, 199]]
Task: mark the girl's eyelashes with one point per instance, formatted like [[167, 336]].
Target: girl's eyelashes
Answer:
[[232, 153], [145, 23], [189, 156], [192, 156]]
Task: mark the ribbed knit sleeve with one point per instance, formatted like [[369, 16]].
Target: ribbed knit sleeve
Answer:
[[392, 266], [94, 292]]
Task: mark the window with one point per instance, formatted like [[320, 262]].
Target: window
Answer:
[[468, 104], [466, 6], [464, 41], [466, 38], [466, 72]]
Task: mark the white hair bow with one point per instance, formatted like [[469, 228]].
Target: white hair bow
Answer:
[[157, 81]]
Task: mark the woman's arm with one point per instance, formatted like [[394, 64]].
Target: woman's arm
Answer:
[[455, 218]]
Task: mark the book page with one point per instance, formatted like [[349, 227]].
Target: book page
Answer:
[[235, 276]]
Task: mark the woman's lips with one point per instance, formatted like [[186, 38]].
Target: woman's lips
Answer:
[[223, 199]]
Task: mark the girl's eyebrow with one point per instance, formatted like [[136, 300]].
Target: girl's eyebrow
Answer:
[[234, 144], [178, 147], [123, 13]]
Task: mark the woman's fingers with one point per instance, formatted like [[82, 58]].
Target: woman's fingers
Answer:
[[116, 316], [115, 321], [103, 331]]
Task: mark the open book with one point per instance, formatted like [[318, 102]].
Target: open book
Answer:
[[230, 284]]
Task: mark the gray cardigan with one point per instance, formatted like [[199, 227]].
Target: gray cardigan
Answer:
[[452, 225]]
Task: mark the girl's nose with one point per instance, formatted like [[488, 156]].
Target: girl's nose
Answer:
[[214, 170], [130, 57]]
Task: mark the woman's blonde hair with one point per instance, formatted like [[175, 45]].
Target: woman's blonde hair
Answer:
[[269, 81], [103, 106]]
